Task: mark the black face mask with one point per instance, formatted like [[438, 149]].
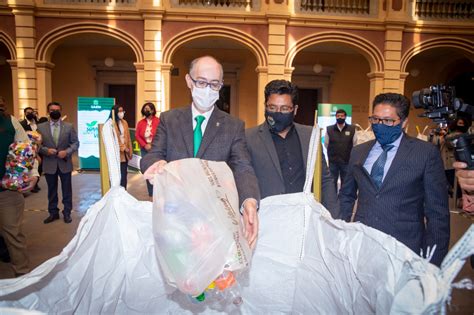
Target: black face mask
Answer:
[[55, 114], [30, 116], [279, 121], [147, 114], [462, 129], [340, 121]]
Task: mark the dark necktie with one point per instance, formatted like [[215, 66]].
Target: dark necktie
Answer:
[[198, 133], [378, 168]]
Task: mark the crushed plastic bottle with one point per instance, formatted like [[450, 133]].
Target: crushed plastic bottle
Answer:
[[227, 284]]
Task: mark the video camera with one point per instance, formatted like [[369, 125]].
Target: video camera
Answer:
[[442, 106]]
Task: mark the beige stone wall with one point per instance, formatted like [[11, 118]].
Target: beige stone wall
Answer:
[[349, 82], [247, 79], [73, 74]]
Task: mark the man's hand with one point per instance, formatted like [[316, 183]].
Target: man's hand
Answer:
[[147, 147], [155, 168], [62, 154], [31, 184], [250, 220], [52, 151], [465, 177]]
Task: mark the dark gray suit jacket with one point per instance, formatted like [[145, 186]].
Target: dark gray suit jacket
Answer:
[[223, 140], [267, 164], [67, 141], [414, 190]]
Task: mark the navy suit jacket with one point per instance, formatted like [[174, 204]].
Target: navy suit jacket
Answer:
[[412, 203], [223, 140], [266, 163]]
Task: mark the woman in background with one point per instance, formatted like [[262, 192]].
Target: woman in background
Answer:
[[145, 132], [121, 127]]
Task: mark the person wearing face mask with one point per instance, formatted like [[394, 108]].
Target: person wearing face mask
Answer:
[[59, 144], [125, 142], [339, 140], [398, 182], [145, 133], [446, 147], [203, 131], [30, 123], [279, 147]]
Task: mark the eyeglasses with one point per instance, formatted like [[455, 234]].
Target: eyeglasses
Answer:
[[386, 121], [282, 109], [201, 84]]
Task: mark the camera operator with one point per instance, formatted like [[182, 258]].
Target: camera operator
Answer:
[[466, 181]]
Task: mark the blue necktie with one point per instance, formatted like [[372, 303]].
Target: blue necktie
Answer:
[[378, 168]]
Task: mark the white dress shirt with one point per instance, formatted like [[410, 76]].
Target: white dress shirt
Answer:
[[206, 115]]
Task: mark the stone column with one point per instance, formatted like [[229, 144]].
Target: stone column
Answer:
[[276, 46], [153, 57], [262, 81], [166, 77], [25, 46], [392, 54], [376, 85], [403, 76], [140, 99], [289, 73], [14, 69], [45, 94]]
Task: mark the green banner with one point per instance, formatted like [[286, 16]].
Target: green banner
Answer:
[[91, 111]]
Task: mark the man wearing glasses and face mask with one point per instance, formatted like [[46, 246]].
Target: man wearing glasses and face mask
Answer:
[[279, 147], [203, 131], [399, 182]]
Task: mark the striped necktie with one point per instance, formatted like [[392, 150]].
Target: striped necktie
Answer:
[[378, 168]]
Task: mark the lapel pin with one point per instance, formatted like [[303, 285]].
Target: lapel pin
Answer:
[[217, 124]]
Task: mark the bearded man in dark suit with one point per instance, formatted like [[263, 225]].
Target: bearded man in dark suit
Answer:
[[279, 148]]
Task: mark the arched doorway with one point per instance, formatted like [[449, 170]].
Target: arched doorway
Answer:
[[331, 73], [338, 68], [439, 65], [238, 96], [244, 61], [73, 58], [6, 76], [93, 65]]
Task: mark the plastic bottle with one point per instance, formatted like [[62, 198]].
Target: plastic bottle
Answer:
[[226, 283], [197, 299]]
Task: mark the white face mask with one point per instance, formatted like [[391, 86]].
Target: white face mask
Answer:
[[204, 98], [120, 115]]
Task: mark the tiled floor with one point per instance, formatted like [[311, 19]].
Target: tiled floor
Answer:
[[47, 240]]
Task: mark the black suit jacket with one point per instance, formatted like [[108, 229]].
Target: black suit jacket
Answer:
[[267, 164], [223, 140], [413, 191], [25, 125]]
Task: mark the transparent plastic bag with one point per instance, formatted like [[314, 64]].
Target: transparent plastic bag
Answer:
[[363, 135], [198, 231]]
